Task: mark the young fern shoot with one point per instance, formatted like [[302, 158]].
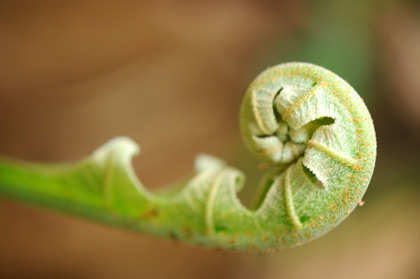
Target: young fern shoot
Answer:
[[303, 120]]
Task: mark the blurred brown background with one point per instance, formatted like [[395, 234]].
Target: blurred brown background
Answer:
[[74, 74]]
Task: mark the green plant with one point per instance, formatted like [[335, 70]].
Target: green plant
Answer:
[[303, 120]]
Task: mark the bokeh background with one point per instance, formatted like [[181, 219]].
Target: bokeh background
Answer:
[[171, 75]]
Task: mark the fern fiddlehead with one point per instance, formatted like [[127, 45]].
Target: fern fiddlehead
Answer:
[[304, 121]]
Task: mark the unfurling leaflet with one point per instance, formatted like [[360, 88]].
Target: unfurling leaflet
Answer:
[[304, 121]]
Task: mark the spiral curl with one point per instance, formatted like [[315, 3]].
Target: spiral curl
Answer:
[[312, 126]]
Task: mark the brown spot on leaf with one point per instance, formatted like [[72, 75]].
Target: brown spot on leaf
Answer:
[[150, 214], [174, 236]]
